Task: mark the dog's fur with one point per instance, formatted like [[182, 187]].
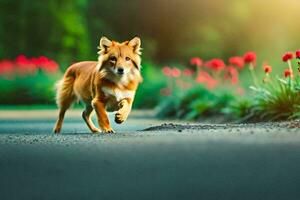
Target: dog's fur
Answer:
[[102, 85]]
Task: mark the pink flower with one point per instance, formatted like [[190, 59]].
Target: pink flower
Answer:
[[176, 72], [205, 78], [250, 57], [216, 64], [287, 56], [196, 61], [237, 61], [167, 71], [6, 66], [188, 72], [202, 77]]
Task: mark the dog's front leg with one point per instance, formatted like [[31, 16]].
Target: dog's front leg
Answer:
[[124, 110], [102, 116]]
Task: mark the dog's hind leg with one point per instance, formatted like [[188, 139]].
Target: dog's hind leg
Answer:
[[64, 99], [63, 108], [59, 121], [86, 115]]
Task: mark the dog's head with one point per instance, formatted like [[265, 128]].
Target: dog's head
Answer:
[[120, 59]]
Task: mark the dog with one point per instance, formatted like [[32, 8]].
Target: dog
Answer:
[[106, 85]]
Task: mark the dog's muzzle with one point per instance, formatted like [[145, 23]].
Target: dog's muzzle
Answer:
[[120, 70]]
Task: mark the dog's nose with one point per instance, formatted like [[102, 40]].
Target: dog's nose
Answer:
[[120, 70]]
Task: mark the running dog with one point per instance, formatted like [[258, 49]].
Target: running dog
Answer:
[[108, 84]]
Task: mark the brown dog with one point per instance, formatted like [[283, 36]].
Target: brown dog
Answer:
[[106, 85]]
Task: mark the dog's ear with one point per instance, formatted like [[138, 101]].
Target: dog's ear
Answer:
[[136, 44], [103, 45]]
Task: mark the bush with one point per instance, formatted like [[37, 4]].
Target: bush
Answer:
[[196, 102], [215, 90], [281, 102], [27, 81], [202, 89], [148, 93]]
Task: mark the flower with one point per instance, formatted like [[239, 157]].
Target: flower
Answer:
[[50, 66], [202, 77], [196, 61], [267, 69], [188, 72], [250, 57], [298, 54], [205, 78], [6, 66], [288, 73], [167, 71], [237, 61], [25, 66], [176, 72], [287, 56], [216, 64]]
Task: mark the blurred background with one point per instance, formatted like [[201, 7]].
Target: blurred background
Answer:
[[53, 34]]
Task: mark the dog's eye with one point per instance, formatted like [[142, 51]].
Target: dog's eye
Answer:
[[113, 59], [127, 58]]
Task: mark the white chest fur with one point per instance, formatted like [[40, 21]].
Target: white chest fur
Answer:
[[117, 93]]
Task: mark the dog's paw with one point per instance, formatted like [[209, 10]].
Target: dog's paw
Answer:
[[96, 130], [56, 130], [120, 117], [108, 130]]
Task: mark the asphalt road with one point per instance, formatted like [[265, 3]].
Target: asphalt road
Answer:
[[257, 161]]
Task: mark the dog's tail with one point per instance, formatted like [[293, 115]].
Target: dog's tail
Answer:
[[64, 90]]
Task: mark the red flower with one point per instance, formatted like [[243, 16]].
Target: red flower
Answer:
[[287, 56], [216, 64], [188, 72], [167, 71], [196, 61], [250, 57], [21, 60], [176, 72], [267, 69], [25, 65], [46, 64], [288, 73], [298, 54], [50, 66], [237, 61]]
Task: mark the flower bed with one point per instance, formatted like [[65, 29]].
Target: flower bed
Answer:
[[28, 80], [214, 88]]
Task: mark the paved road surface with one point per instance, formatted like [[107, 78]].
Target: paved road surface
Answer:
[[173, 162]]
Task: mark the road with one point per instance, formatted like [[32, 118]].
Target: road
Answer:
[[255, 161]]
